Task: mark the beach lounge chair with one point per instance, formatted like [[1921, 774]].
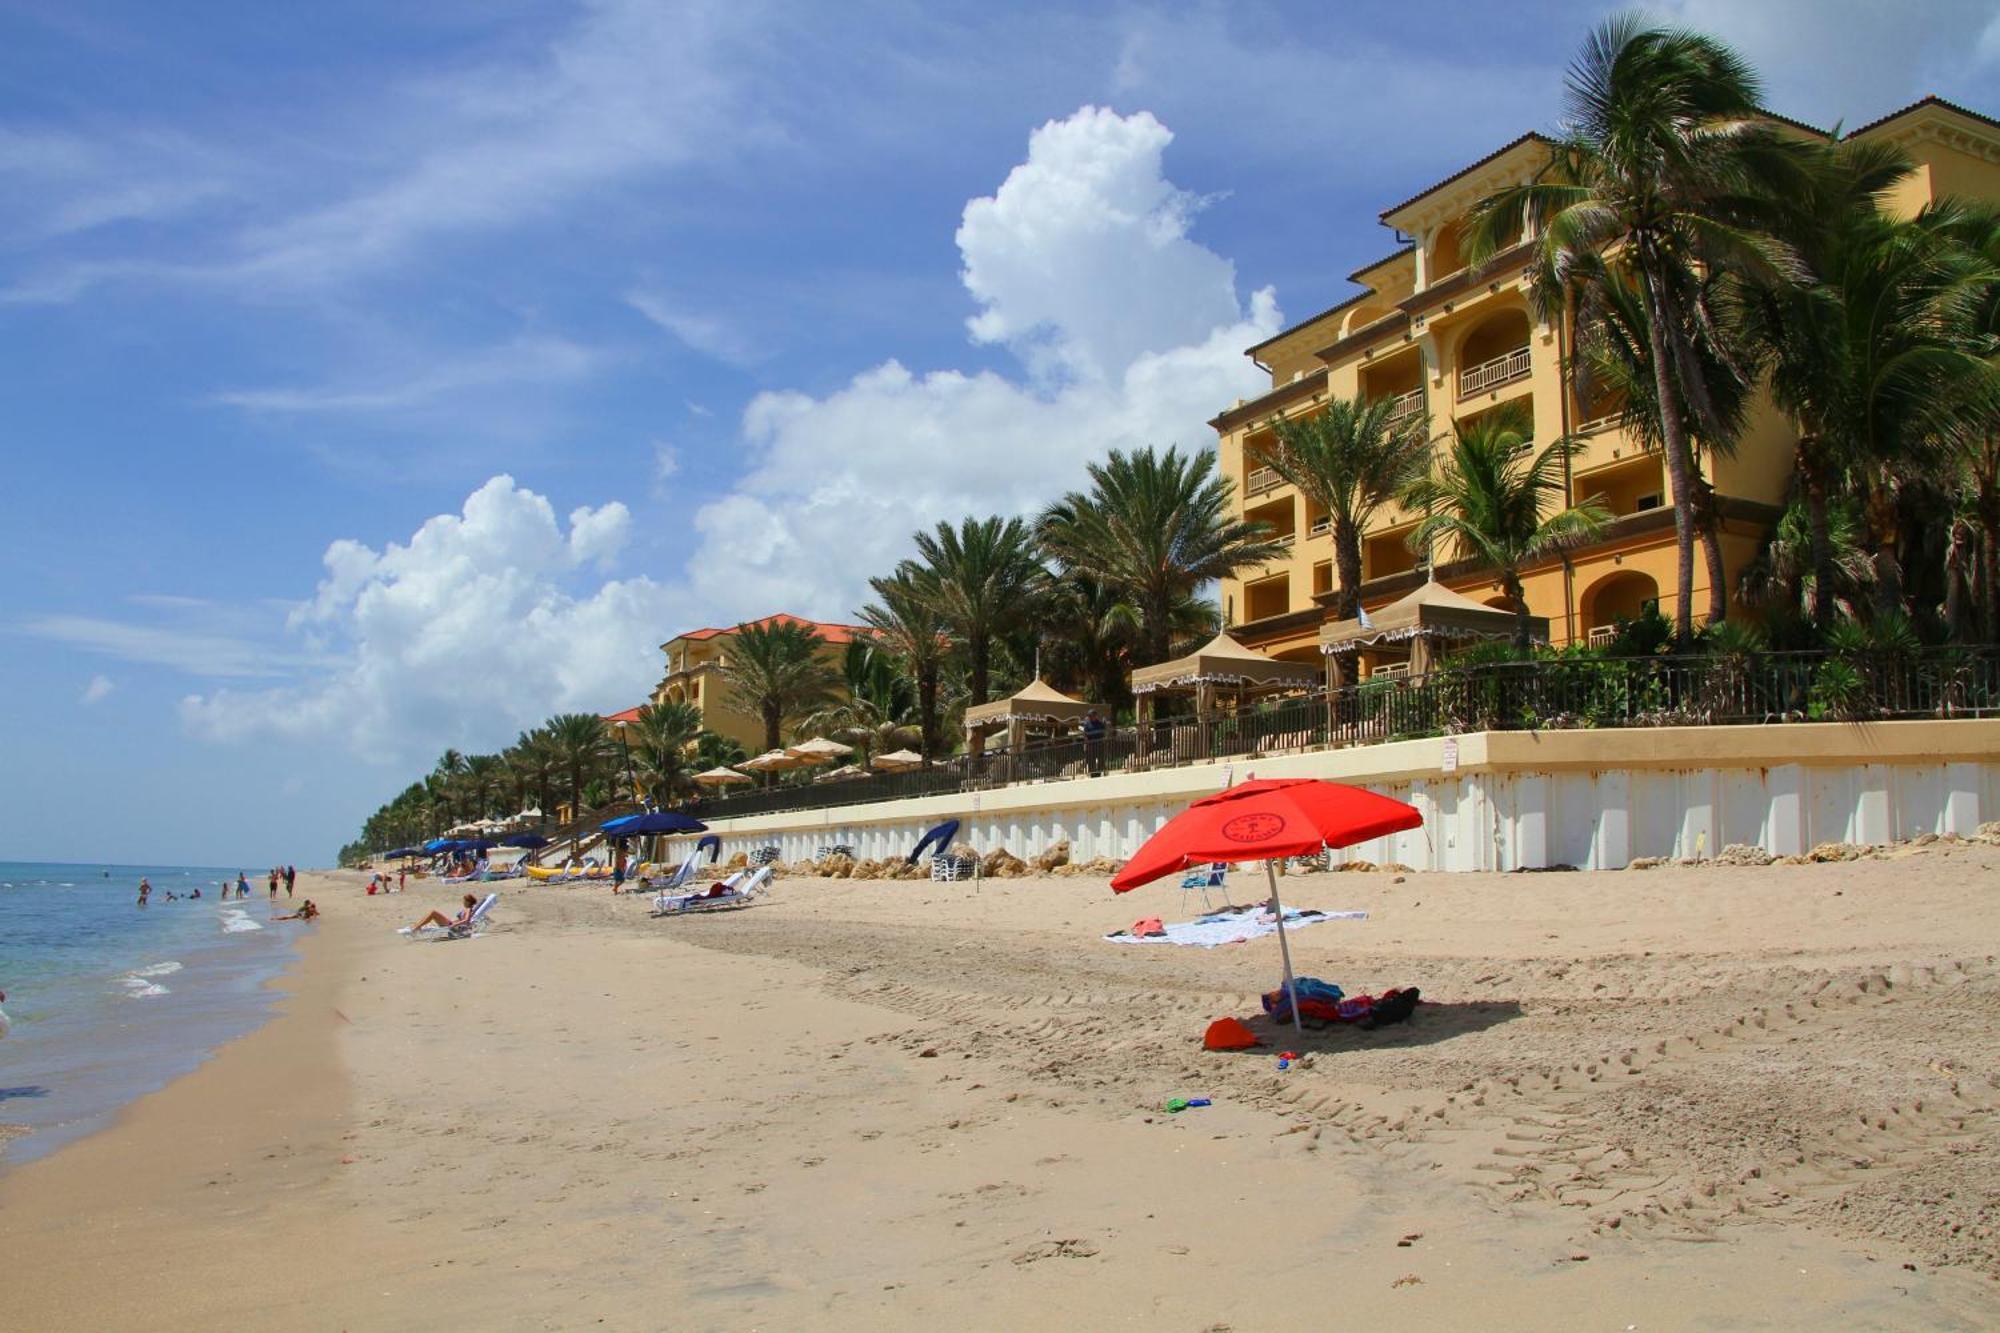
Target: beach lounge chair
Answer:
[[1202, 881], [739, 890], [474, 924]]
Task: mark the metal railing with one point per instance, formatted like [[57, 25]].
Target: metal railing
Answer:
[[1406, 405], [1530, 695], [1492, 374]]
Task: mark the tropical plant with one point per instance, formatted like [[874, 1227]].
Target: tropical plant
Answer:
[[662, 741], [1488, 498], [776, 672], [1156, 528], [1349, 460], [533, 759], [909, 627], [482, 780], [581, 745], [875, 711], [1665, 167], [978, 576], [712, 749]]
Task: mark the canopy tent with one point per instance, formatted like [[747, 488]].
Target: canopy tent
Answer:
[[1430, 616], [722, 777], [1036, 706], [1221, 663], [896, 761]]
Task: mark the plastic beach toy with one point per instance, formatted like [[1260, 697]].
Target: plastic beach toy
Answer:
[[1175, 1105]]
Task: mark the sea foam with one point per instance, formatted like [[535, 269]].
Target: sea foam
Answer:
[[235, 921]]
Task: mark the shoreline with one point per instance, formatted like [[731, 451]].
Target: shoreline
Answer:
[[872, 1104]]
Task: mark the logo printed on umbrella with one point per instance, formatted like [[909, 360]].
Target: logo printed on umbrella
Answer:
[[1254, 828]]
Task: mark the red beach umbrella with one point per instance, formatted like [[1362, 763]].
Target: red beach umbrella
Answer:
[[1266, 821]]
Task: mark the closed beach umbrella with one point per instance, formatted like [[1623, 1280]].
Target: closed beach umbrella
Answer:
[[1267, 821], [896, 761], [722, 777]]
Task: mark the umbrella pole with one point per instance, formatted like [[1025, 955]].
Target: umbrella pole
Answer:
[[1284, 949]]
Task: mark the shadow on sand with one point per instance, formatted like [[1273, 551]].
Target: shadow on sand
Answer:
[[1430, 1024]]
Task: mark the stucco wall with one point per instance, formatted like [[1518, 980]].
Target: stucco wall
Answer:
[[1593, 799]]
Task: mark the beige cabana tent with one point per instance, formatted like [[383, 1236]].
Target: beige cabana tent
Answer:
[[1037, 706], [1424, 620], [1220, 664]]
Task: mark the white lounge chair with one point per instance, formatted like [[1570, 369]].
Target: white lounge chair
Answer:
[[680, 878], [474, 924], [739, 890]]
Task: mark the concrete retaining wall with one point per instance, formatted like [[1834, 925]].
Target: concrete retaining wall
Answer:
[[1503, 800]]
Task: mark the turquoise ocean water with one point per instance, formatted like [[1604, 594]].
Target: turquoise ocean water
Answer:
[[109, 1002]]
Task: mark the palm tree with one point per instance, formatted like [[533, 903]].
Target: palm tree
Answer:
[[776, 672], [533, 759], [1874, 357], [582, 745], [1156, 528], [1088, 632], [481, 782], [714, 750], [1488, 498], [662, 741], [1666, 167], [979, 576], [909, 627], [1349, 460], [874, 711]]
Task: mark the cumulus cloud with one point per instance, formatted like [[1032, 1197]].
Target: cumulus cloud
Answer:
[[1132, 334], [97, 691], [477, 625]]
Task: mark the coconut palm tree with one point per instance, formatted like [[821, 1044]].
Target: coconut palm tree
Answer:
[[979, 576], [1156, 528], [481, 782], [1349, 460], [1874, 357], [661, 741], [776, 671], [714, 750], [1488, 499], [533, 758], [910, 629], [1666, 167], [581, 745], [875, 710]]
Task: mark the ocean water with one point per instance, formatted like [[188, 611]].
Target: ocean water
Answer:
[[109, 1002]]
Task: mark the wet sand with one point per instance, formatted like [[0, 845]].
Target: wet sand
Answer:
[[1684, 1097]]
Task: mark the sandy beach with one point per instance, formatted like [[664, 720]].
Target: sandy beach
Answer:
[[1684, 1097]]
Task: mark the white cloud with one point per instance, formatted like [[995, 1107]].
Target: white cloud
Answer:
[[473, 628], [522, 361], [61, 183], [1133, 333], [1082, 259], [706, 334], [1850, 60], [197, 652], [97, 691]]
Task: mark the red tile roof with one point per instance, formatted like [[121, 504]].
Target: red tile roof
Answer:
[[629, 715], [828, 630]]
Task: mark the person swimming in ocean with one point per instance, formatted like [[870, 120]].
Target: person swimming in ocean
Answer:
[[195, 894]]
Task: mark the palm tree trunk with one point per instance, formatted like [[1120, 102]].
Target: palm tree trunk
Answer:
[[1510, 583], [1674, 445], [1885, 532], [1347, 564], [927, 709], [1989, 565], [1819, 530], [1708, 528], [978, 650]]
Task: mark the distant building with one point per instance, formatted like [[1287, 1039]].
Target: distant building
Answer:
[[1445, 343], [695, 661]]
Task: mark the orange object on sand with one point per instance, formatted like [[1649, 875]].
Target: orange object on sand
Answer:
[[1229, 1034], [1150, 925]]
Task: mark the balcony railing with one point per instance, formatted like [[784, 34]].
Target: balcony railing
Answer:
[[1406, 405], [1492, 374], [1550, 694], [1261, 479], [1320, 526]]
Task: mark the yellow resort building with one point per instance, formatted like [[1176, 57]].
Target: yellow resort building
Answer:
[[1446, 343], [694, 665]]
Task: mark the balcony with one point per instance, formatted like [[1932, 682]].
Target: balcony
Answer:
[[1320, 526], [1260, 480], [1406, 405], [1492, 374]]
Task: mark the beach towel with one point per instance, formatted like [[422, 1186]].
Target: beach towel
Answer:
[[1231, 927]]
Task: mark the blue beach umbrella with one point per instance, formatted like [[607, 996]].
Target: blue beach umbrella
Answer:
[[653, 821], [531, 841]]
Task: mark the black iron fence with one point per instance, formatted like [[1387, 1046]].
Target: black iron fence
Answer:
[[1549, 694]]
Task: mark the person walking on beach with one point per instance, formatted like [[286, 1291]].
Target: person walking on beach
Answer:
[[291, 878], [145, 890]]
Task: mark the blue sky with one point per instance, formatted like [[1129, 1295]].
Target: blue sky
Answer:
[[381, 377]]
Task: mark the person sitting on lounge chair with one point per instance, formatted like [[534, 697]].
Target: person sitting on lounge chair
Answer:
[[447, 922]]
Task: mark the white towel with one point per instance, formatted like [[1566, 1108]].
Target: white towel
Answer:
[[1229, 928]]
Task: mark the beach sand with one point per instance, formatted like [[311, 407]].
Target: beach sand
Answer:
[[1684, 1097]]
